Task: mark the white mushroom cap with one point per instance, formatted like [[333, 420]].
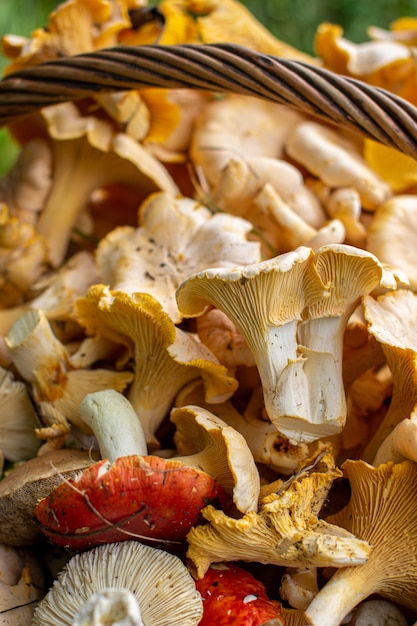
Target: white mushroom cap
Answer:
[[161, 584]]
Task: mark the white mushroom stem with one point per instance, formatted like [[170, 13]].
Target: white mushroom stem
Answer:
[[400, 444], [115, 607], [115, 424], [336, 599], [295, 230], [265, 301], [18, 441], [34, 347]]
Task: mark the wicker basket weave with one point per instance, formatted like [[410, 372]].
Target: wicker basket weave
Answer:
[[370, 111]]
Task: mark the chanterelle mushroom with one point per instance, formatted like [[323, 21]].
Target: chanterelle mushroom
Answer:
[[205, 441], [381, 511], [266, 444], [44, 363], [392, 232], [336, 161], [166, 357], [156, 260], [392, 319], [142, 586], [265, 301], [88, 144], [317, 406], [286, 531]]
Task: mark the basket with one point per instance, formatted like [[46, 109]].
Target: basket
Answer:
[[370, 111]]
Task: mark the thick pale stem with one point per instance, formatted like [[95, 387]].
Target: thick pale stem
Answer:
[[115, 607], [338, 597], [115, 424], [34, 348], [273, 351]]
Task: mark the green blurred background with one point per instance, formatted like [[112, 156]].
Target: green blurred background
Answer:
[[293, 21]]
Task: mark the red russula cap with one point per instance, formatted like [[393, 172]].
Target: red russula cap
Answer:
[[234, 597], [142, 497]]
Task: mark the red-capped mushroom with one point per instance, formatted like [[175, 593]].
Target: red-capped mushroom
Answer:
[[125, 496], [232, 596]]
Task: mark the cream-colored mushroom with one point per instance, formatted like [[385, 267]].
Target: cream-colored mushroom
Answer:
[[401, 443], [25, 187], [23, 258], [375, 612], [382, 511], [392, 233], [204, 440], [266, 302], [88, 144], [44, 363], [18, 420], [392, 321], [318, 407], [294, 230], [166, 357], [159, 589], [299, 586], [344, 204], [156, 260], [286, 531], [266, 444], [336, 161]]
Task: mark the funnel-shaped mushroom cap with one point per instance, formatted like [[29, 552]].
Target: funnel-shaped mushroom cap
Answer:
[[381, 511], [265, 301], [160, 582], [166, 358], [219, 450], [392, 319], [392, 232], [286, 531], [89, 144], [319, 407]]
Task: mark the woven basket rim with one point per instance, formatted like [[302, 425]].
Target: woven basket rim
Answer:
[[370, 111]]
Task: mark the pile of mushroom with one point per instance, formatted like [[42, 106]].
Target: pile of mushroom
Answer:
[[208, 384]]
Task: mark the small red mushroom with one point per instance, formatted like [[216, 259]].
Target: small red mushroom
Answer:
[[232, 596], [127, 496]]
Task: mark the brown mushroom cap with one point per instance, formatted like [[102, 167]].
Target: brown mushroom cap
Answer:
[[21, 490]]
